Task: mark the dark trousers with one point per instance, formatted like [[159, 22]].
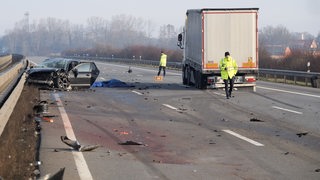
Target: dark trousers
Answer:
[[228, 89], [164, 70]]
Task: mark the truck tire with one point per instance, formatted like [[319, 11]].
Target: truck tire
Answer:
[[184, 78], [197, 79], [188, 74], [200, 80]]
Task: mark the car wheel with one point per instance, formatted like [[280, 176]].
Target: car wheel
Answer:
[[62, 82]]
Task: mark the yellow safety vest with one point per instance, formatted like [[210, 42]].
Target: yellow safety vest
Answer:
[[163, 60], [231, 65]]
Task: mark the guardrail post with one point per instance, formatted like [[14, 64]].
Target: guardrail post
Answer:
[[295, 80], [285, 79], [306, 81], [275, 78]]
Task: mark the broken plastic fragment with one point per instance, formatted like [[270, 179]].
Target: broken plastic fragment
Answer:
[[72, 143], [131, 143], [76, 145], [302, 134], [256, 120], [89, 147]]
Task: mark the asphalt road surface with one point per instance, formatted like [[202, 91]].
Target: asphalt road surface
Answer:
[[165, 130]]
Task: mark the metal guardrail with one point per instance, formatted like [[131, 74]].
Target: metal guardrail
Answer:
[[173, 65], [294, 77]]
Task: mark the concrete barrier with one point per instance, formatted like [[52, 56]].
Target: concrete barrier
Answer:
[[7, 108], [6, 79], [8, 76]]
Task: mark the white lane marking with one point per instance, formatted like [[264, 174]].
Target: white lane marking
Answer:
[[82, 167], [219, 94], [171, 107], [280, 108], [137, 92], [292, 92], [243, 137]]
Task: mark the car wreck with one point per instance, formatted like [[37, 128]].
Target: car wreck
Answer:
[[63, 74]]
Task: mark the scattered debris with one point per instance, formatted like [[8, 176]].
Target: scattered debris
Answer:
[[46, 119], [186, 98], [129, 70], [182, 109], [41, 107], [49, 116], [211, 142], [36, 172], [36, 163], [124, 133], [255, 120], [157, 161], [56, 176], [286, 153], [302, 134], [89, 147], [76, 145], [121, 154], [317, 170], [131, 143]]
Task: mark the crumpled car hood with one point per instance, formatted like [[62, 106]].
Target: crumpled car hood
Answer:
[[44, 70]]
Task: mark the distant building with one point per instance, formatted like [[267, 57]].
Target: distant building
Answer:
[[282, 51]]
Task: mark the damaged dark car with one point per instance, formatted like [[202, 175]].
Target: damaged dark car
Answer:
[[63, 74]]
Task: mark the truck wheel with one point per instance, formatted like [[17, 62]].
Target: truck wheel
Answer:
[[184, 78], [203, 81], [188, 76], [197, 80]]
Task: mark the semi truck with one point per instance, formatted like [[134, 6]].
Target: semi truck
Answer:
[[208, 34]]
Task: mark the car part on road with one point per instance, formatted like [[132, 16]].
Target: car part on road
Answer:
[[131, 143], [77, 146]]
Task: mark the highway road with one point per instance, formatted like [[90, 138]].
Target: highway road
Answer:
[[183, 132]]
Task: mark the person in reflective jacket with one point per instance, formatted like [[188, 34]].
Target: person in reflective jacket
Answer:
[[163, 63], [228, 67]]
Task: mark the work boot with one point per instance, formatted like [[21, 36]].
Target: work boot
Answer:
[[230, 94]]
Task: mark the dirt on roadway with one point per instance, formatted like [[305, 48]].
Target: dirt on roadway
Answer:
[[18, 142]]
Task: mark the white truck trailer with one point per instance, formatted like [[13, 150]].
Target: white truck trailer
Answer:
[[208, 34]]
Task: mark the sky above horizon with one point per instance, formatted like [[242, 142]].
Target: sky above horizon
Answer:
[[295, 15]]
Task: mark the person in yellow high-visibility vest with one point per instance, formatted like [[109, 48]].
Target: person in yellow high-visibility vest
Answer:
[[228, 69], [163, 63]]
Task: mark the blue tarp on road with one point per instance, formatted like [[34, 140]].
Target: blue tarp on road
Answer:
[[111, 83]]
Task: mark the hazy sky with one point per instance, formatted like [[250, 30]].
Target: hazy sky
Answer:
[[296, 15]]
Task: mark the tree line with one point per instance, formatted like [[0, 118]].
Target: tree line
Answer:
[[123, 36]]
